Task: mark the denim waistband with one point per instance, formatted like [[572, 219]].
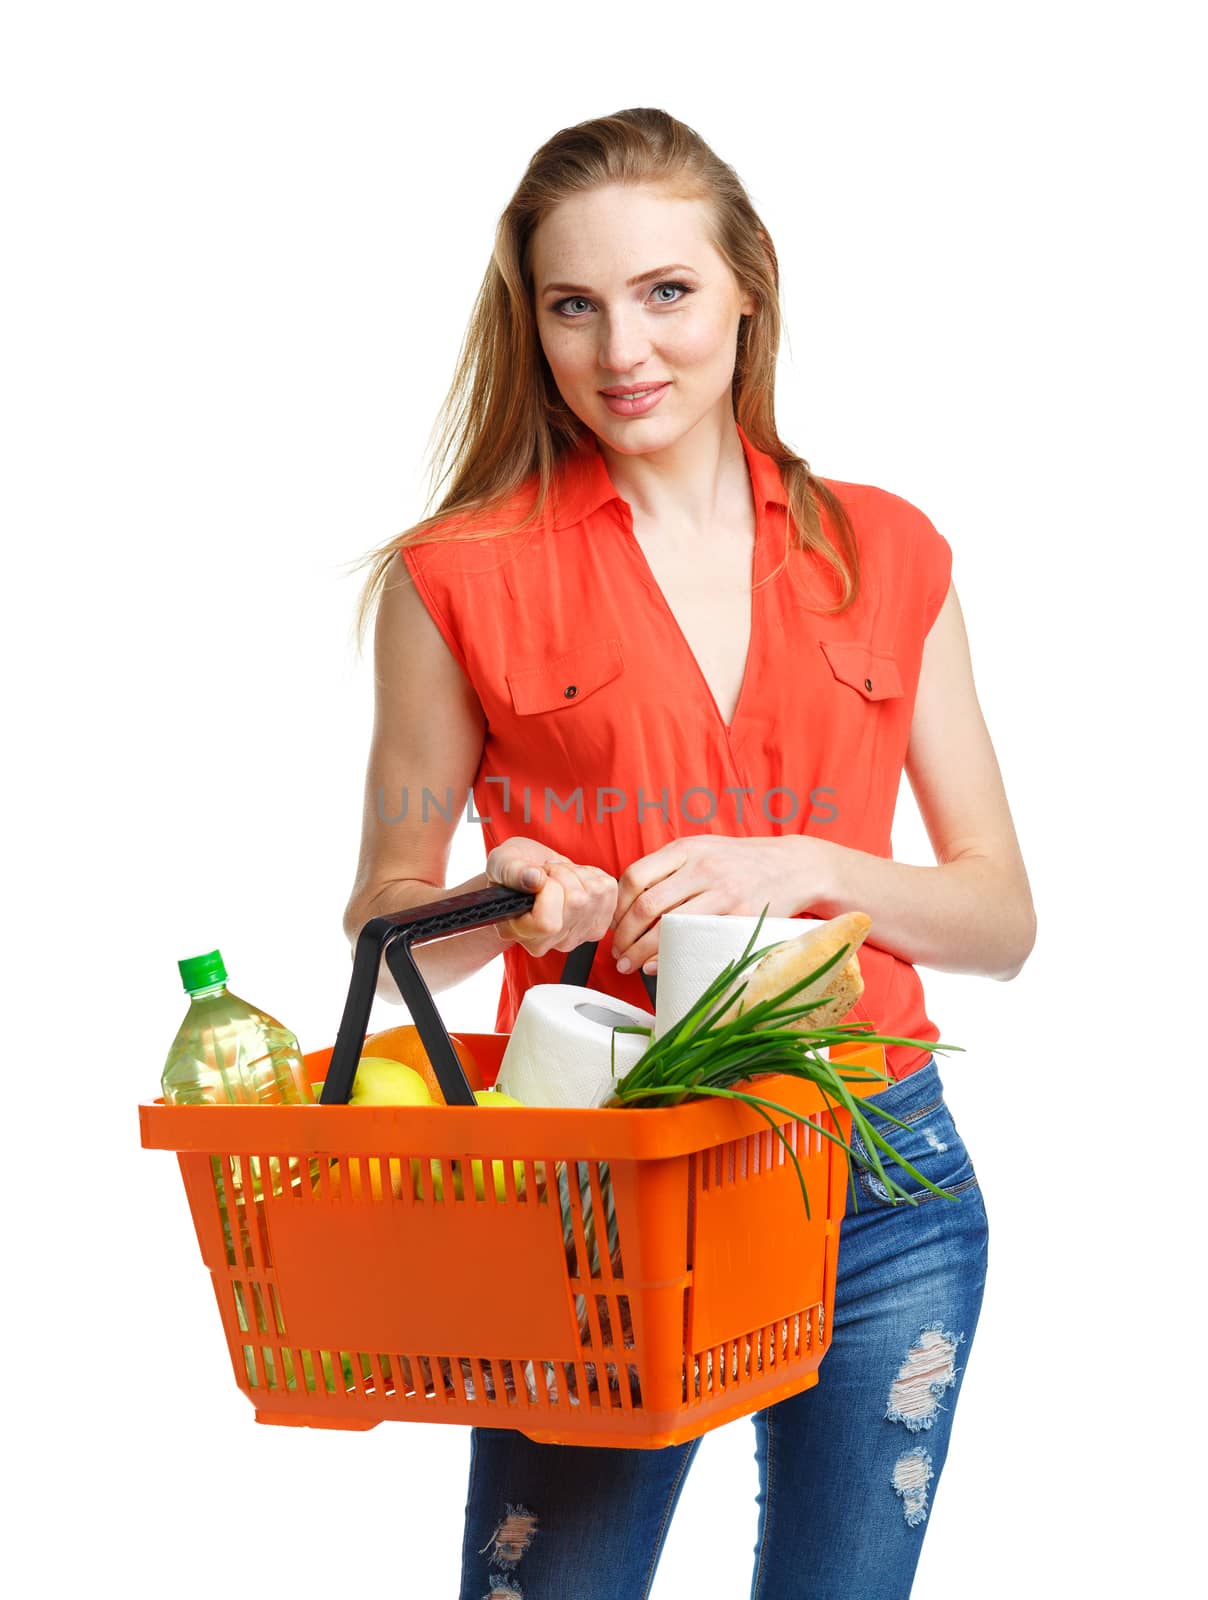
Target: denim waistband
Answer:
[[917, 1090]]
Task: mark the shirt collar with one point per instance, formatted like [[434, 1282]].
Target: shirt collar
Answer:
[[582, 484]]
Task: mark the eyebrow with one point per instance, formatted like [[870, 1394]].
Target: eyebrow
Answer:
[[630, 283]]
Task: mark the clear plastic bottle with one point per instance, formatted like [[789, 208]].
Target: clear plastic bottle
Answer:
[[228, 1052]]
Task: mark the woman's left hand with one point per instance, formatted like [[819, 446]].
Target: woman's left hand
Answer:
[[716, 875]]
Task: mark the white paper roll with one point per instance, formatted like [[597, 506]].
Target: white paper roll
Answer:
[[561, 1046], [693, 949]]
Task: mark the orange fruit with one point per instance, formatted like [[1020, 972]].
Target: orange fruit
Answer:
[[404, 1044], [360, 1188]]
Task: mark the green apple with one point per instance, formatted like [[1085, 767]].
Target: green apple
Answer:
[[495, 1097], [484, 1097], [381, 1081]]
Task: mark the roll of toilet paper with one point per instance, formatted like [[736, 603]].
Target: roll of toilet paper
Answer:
[[693, 949], [560, 1052]]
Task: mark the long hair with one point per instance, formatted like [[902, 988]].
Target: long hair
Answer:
[[503, 420]]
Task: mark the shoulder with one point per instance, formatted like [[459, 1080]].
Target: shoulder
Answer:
[[475, 540], [882, 511], [902, 543], [891, 524]]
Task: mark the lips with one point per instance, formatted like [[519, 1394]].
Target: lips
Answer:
[[641, 388], [641, 404], [636, 405]]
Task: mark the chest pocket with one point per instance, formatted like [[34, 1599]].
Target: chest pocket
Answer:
[[564, 681], [873, 674]]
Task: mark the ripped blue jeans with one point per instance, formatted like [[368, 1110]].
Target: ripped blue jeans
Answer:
[[848, 1470]]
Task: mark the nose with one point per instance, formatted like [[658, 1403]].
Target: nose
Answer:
[[624, 347]]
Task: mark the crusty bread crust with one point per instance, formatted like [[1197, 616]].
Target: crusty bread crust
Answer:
[[795, 959], [844, 991]]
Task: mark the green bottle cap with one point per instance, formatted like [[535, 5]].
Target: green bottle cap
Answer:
[[202, 972]]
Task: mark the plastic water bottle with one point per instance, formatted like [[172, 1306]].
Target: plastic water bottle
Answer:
[[228, 1052]]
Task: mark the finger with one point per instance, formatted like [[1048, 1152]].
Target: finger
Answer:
[[507, 869], [645, 951], [514, 872], [579, 905], [539, 927], [607, 889], [645, 910], [590, 897], [549, 908], [642, 953], [601, 888], [642, 875]]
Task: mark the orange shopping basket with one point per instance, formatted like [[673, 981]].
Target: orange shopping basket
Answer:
[[353, 1291]]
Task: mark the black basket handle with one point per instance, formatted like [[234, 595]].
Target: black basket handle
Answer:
[[391, 936], [578, 969]]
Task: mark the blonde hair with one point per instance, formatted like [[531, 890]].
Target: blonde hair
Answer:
[[503, 418]]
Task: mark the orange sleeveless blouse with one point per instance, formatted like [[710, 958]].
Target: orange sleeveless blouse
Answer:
[[603, 738]]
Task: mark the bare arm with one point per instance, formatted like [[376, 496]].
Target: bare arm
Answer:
[[972, 912], [428, 732]]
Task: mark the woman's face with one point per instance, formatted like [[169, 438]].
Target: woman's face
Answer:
[[678, 327]]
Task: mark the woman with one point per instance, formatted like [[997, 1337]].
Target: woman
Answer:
[[682, 672]]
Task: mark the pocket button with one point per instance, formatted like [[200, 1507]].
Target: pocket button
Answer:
[[872, 673], [570, 678]]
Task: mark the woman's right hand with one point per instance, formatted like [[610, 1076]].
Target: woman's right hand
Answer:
[[574, 903]]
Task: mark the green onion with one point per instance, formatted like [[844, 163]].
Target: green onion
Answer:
[[702, 1057]]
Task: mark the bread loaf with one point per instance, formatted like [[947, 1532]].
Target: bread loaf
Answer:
[[795, 959]]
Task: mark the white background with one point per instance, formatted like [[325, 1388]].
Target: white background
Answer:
[[242, 243]]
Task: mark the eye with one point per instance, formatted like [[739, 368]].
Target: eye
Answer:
[[579, 299]]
